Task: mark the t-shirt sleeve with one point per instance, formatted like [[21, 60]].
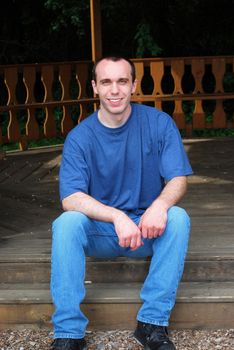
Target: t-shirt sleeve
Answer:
[[74, 172], [172, 155]]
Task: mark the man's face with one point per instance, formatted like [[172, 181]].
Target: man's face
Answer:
[[114, 86]]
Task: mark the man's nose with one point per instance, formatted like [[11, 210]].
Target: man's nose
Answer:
[[114, 88]]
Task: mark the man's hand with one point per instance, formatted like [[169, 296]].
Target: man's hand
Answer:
[[153, 221], [128, 232]]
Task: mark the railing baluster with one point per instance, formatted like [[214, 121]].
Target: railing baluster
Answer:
[[218, 69], [64, 78], [219, 115], [139, 75], [198, 116], [47, 77], [11, 77], [198, 71], [82, 78], [177, 71], [3, 98], [29, 78], [178, 115], [157, 71]]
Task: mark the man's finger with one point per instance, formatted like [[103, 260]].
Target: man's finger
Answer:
[[133, 242], [138, 243], [144, 232], [127, 242]]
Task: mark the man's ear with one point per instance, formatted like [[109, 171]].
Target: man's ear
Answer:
[[134, 86], [94, 86]]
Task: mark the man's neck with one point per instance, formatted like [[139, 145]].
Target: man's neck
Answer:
[[113, 120]]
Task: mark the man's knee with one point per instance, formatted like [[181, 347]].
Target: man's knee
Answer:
[[69, 225], [178, 215], [179, 221]]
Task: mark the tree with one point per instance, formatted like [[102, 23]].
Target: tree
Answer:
[[59, 30]]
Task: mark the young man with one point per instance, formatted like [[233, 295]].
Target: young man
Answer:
[[123, 170]]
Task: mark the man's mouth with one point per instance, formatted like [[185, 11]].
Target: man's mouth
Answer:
[[114, 100]]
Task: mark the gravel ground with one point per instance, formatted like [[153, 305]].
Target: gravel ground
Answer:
[[119, 340]]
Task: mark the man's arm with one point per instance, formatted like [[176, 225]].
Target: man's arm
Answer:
[[128, 232], [153, 221]]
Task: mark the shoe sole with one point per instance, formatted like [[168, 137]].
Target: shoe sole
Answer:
[[138, 341]]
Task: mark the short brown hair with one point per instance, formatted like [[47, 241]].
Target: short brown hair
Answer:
[[114, 59]]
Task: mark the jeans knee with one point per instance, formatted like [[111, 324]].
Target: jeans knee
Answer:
[[179, 221], [178, 215], [69, 226]]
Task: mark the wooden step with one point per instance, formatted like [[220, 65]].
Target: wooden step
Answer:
[[37, 269], [115, 305]]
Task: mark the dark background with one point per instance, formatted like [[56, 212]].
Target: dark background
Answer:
[[56, 30]]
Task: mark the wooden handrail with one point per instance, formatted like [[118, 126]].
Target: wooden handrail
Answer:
[[49, 104], [40, 100], [184, 97]]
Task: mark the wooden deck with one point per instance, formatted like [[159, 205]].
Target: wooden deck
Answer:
[[29, 202], [29, 199]]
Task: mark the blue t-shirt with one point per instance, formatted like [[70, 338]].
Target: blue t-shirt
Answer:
[[124, 167]]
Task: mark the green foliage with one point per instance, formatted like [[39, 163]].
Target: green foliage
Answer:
[[58, 30], [213, 132], [228, 82], [46, 142], [146, 45], [67, 13], [188, 108], [10, 147]]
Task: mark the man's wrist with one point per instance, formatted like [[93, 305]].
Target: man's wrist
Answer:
[[160, 203], [116, 214]]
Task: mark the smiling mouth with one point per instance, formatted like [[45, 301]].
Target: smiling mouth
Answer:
[[114, 100]]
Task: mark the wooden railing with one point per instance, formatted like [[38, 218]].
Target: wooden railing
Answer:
[[46, 100], [197, 91]]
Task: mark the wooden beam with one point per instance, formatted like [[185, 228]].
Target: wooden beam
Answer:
[[96, 30]]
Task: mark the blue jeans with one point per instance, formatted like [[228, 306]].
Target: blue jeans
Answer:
[[75, 236]]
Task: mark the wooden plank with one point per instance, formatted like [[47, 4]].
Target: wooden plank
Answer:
[[120, 316], [218, 316], [38, 271], [108, 293], [213, 309]]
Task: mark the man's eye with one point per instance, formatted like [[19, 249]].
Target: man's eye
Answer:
[[105, 82], [123, 81]]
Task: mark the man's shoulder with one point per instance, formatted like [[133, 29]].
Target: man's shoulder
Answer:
[[80, 135], [151, 113], [83, 127]]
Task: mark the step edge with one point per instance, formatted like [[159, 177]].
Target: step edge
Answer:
[[223, 292], [192, 257]]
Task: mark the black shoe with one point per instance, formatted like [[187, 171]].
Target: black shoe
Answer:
[[153, 337], [68, 344]]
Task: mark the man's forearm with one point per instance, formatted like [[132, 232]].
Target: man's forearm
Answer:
[[90, 207], [127, 231], [172, 193]]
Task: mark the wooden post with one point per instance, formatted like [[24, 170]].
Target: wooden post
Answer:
[[96, 30]]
